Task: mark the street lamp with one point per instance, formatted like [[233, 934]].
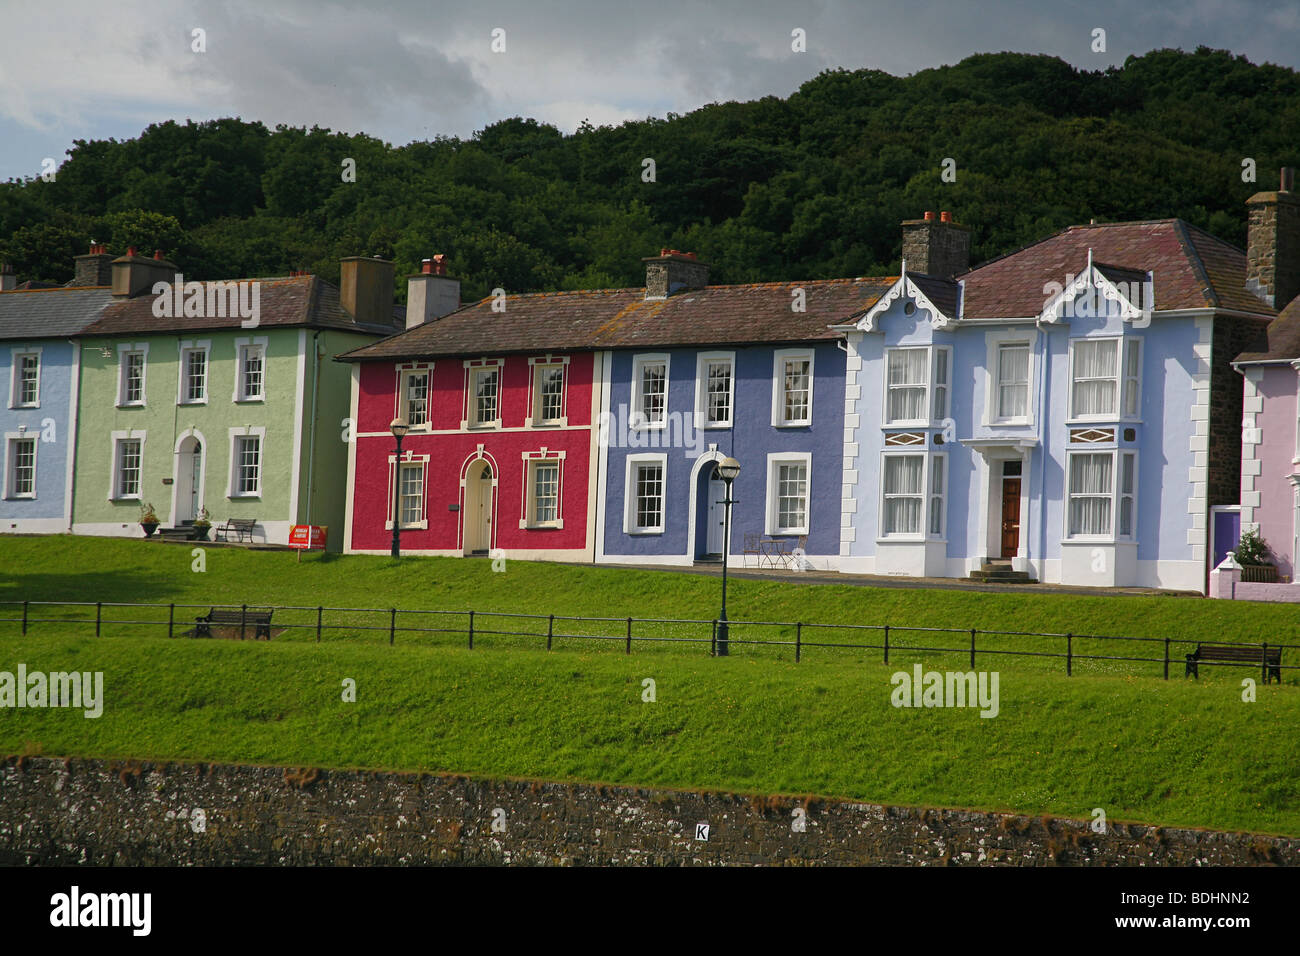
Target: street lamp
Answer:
[[399, 428], [727, 470]]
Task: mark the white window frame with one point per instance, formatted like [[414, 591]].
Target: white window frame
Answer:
[[403, 410], [255, 431], [1131, 342], [779, 358], [241, 346], [702, 362], [528, 505], [772, 511], [11, 463], [1117, 456], [115, 461], [16, 382], [636, 408], [927, 403], [187, 348], [630, 495], [925, 495], [474, 368], [995, 342], [535, 368], [408, 460], [1117, 415], [937, 466], [123, 350]]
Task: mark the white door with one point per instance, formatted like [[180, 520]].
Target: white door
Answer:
[[717, 492], [196, 474], [484, 522]]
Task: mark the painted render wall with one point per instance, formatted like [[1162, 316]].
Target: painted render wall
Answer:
[[164, 423], [1166, 437], [1269, 460], [451, 449], [751, 439], [50, 424]]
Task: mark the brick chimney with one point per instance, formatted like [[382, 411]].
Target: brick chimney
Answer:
[[940, 249], [671, 272], [1273, 243], [135, 274], [8, 281], [431, 293], [366, 289], [95, 268]]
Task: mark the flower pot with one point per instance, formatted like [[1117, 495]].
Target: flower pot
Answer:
[[201, 532], [149, 528]]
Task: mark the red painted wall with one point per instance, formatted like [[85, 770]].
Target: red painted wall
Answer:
[[448, 454]]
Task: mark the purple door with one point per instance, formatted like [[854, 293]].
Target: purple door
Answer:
[[1227, 532]]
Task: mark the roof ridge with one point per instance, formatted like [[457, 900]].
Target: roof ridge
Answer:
[[1189, 249]]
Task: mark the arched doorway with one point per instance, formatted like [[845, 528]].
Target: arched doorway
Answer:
[[476, 518], [188, 479]]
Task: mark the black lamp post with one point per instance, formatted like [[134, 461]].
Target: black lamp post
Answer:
[[399, 429], [727, 470]]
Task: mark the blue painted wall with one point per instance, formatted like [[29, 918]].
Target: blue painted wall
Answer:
[[750, 440], [50, 425]]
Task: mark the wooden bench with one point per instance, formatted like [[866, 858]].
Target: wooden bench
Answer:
[[241, 528], [1268, 658], [259, 621]]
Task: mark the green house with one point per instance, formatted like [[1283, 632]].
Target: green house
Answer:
[[222, 396]]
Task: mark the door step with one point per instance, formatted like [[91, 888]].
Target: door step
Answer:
[[1001, 572]]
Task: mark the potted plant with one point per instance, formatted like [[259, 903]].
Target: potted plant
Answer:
[[1252, 553], [148, 520], [201, 525]]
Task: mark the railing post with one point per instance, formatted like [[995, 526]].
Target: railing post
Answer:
[[171, 619], [392, 624], [550, 631], [320, 611], [629, 636], [713, 641], [1166, 658], [99, 614], [243, 614], [1263, 662], [886, 643], [471, 630], [798, 640], [24, 617], [972, 648], [1069, 655]]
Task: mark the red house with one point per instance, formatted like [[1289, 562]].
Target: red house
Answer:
[[501, 439]]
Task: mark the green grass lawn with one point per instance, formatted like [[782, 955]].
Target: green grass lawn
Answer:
[[1113, 736]]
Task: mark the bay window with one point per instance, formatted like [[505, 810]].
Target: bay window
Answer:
[[917, 384]]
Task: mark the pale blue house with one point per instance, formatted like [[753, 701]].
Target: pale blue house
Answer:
[[1063, 412]]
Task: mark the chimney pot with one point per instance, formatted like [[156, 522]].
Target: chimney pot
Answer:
[[157, 254], [130, 250], [929, 215], [945, 216]]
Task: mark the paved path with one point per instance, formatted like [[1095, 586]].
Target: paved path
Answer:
[[892, 581]]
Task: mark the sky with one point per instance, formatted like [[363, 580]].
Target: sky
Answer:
[[408, 70]]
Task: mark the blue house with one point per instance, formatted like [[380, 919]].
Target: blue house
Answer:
[[39, 373], [1063, 413]]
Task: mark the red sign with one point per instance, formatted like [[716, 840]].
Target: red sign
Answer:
[[307, 536]]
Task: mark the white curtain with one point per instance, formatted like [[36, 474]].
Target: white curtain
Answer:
[[1013, 380], [1090, 494], [906, 385], [903, 494], [1095, 370]]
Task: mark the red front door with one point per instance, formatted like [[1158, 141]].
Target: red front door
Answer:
[[1010, 517]]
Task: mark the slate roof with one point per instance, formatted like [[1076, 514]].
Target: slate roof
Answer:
[[758, 313], [1193, 269], [942, 293], [50, 313], [282, 302], [1281, 340]]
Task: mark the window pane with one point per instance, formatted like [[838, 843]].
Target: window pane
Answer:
[[792, 496], [1090, 494], [551, 392], [795, 390], [252, 372], [128, 468], [417, 398], [1013, 381], [1095, 384], [903, 494], [718, 400], [248, 464], [134, 379], [906, 384], [653, 383], [412, 493], [196, 367], [649, 496], [546, 492], [486, 397], [22, 480], [29, 370], [1132, 375]]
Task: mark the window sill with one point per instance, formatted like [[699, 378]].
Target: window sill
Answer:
[[546, 422], [415, 526], [238, 401], [249, 497], [22, 407], [800, 424], [123, 499], [31, 497], [481, 426], [191, 403], [131, 405], [548, 526], [642, 531], [715, 426]]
